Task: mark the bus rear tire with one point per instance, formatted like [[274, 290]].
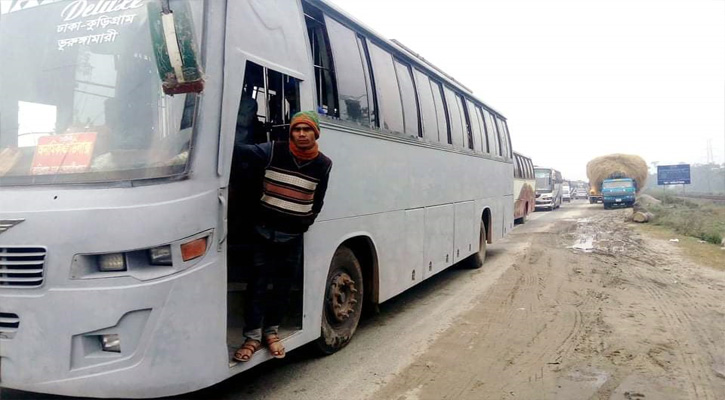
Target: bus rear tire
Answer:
[[343, 302], [476, 260]]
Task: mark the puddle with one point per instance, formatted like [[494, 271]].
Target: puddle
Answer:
[[581, 383], [585, 244]]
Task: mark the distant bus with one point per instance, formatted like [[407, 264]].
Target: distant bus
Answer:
[[121, 274], [524, 187], [548, 188]]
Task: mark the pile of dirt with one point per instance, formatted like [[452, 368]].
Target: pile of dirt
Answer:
[[617, 166]]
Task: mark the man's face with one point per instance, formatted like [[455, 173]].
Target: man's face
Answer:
[[303, 136]]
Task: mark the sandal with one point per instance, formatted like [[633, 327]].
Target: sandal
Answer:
[[274, 343], [245, 353]]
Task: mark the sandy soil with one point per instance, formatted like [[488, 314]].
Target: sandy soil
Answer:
[[593, 310]]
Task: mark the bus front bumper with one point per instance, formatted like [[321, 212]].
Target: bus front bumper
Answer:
[[165, 328], [544, 203]]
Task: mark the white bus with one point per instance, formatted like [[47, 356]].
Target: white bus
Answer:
[[524, 187], [120, 275], [548, 188]]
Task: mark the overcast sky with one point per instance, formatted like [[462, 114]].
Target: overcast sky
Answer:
[[582, 78]]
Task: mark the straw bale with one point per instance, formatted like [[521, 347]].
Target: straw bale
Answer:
[[617, 166]]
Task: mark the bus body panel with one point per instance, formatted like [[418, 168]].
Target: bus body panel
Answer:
[[524, 197]]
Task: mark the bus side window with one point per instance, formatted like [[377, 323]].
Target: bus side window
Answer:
[[322, 60], [429, 121], [492, 133], [485, 139], [454, 114], [269, 99], [444, 127], [469, 123], [531, 170], [477, 131], [409, 99], [502, 138], [505, 126], [349, 61], [388, 91]]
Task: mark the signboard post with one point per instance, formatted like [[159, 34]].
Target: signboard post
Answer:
[[673, 175]]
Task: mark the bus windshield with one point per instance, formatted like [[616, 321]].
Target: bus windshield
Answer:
[[543, 179], [81, 96]]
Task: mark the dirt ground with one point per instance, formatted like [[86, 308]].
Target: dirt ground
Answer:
[[594, 309]]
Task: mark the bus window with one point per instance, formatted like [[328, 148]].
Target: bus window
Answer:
[[367, 68], [502, 138], [410, 99], [277, 99], [475, 134], [485, 141], [386, 85], [427, 106], [351, 83], [454, 113], [322, 60], [508, 136], [492, 133], [444, 129]]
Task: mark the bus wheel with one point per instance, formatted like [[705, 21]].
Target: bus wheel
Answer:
[[476, 260], [343, 301]]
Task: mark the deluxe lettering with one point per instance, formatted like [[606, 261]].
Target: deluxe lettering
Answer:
[[86, 8]]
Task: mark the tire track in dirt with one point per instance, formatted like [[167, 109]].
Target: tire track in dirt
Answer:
[[527, 295], [672, 301], [607, 323]]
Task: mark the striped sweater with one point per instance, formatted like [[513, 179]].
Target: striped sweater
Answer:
[[292, 192]]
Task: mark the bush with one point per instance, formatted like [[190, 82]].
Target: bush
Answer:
[[712, 237], [705, 222]]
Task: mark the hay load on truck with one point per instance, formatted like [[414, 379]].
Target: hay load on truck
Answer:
[[615, 179]]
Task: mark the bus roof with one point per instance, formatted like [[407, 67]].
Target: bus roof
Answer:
[[401, 50]]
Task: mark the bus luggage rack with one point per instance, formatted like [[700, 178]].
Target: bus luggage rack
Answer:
[[21, 266], [9, 324]]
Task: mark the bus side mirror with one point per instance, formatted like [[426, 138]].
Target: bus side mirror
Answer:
[[175, 50]]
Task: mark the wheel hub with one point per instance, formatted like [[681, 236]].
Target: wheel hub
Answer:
[[341, 300]]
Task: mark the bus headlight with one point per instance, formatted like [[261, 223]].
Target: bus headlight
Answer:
[[160, 255], [115, 262]]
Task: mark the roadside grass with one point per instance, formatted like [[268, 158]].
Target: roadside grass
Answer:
[[706, 254], [700, 219], [692, 221]]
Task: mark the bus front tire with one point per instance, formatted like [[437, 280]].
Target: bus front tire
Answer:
[[343, 302]]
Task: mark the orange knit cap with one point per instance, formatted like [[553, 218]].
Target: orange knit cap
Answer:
[[306, 117]]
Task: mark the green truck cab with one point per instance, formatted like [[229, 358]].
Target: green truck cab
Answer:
[[618, 192]]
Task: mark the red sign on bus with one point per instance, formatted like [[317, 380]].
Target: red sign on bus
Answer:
[[63, 154]]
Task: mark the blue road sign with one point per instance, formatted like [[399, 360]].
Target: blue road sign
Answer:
[[673, 174]]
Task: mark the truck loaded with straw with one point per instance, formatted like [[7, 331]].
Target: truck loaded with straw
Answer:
[[615, 179]]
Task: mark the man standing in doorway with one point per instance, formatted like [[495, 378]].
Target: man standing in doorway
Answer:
[[294, 182]]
